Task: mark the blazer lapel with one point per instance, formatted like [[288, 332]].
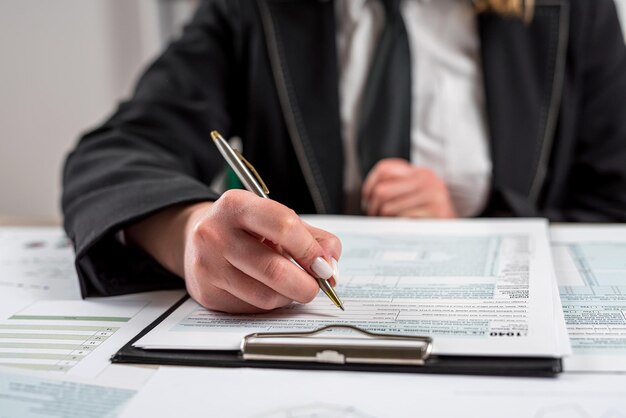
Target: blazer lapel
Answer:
[[524, 72], [300, 35]]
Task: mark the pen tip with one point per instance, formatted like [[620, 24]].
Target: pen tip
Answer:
[[339, 304], [215, 135]]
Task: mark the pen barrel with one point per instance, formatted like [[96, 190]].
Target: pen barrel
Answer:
[[240, 169]]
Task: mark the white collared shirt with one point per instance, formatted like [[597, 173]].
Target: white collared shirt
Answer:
[[449, 129]]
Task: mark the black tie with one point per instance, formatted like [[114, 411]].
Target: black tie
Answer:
[[385, 119]]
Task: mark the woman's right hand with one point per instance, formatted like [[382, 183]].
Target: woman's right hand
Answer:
[[234, 252]]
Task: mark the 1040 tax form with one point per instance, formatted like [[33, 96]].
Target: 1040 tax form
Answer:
[[483, 288]]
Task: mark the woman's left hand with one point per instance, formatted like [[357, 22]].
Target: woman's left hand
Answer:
[[394, 187]]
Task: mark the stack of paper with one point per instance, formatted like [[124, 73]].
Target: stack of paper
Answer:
[[49, 336]]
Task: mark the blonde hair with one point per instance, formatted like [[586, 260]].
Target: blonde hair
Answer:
[[522, 9]]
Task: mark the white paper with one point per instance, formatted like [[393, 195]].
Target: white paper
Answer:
[[37, 263], [250, 393], [28, 395], [590, 264], [76, 337], [476, 287]]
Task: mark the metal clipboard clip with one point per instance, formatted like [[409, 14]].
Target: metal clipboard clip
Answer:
[[308, 347]]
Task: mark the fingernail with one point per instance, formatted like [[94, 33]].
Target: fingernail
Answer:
[[335, 269], [322, 269]]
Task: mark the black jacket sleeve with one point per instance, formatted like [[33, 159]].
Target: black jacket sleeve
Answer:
[[596, 186], [155, 151]]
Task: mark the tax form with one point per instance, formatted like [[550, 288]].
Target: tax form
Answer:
[[477, 287], [590, 264]]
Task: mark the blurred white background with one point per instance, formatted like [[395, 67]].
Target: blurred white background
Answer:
[[64, 66]]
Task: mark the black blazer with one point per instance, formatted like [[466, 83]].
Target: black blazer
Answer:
[[266, 71]]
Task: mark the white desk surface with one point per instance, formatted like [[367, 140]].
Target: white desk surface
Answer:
[[189, 392]]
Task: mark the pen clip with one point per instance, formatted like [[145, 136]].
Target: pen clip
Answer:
[[252, 170]]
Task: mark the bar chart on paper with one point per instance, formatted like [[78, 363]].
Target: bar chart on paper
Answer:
[[51, 336]]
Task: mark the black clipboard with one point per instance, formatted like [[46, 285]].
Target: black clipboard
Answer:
[[436, 364]]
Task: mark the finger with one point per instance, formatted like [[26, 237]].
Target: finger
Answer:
[[392, 189], [216, 299], [406, 196], [417, 213], [271, 269], [418, 200], [328, 241], [250, 290], [284, 227], [432, 206], [332, 245], [385, 169]]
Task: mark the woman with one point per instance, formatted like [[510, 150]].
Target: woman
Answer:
[[515, 109]]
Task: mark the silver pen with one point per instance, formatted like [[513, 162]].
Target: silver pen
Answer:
[[253, 183]]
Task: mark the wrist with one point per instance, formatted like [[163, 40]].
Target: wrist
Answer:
[[163, 235]]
